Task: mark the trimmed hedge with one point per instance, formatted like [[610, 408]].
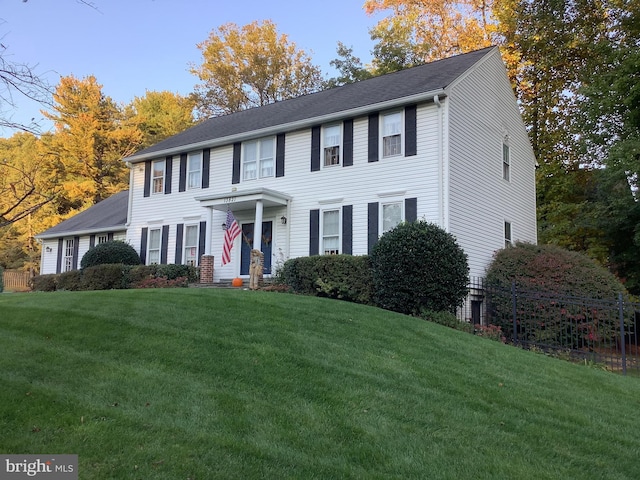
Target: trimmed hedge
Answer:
[[113, 276], [418, 266], [110, 253], [344, 277]]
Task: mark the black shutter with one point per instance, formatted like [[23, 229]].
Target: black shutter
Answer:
[[147, 178], [280, 155], [202, 239], [165, 242], [373, 137], [76, 247], [410, 131], [59, 260], [182, 179], [315, 149], [179, 235], [206, 166], [372, 226], [168, 171], [411, 209], [92, 241], [314, 232], [235, 175], [347, 229], [347, 143], [143, 245]]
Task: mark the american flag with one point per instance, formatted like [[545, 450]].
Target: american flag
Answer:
[[230, 234]]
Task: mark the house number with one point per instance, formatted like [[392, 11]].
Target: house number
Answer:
[[230, 200]]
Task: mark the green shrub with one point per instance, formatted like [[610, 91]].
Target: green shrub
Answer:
[[447, 319], [110, 253], [173, 271], [105, 277], [344, 277], [561, 300], [162, 282], [418, 266], [44, 283], [71, 280]]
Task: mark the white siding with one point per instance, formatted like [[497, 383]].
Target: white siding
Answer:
[[481, 110]]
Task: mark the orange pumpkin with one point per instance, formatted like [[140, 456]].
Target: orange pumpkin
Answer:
[[236, 282]]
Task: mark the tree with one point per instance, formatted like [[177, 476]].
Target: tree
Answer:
[[251, 66], [349, 67], [161, 114], [91, 138]]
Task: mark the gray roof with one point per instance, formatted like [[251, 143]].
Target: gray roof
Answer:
[[426, 78], [107, 215]]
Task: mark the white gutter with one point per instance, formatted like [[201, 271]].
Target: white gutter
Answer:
[[80, 233], [291, 126]]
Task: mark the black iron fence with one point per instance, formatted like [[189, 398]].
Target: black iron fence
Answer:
[[599, 331]]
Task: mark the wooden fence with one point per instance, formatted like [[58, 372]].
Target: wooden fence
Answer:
[[17, 280]]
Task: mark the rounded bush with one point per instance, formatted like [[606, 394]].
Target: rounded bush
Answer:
[[418, 266], [110, 253]]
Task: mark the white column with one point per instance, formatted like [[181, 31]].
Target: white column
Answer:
[[257, 227], [207, 240]]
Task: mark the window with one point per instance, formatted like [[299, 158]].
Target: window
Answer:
[[102, 239], [153, 255], [331, 144], [331, 232], [506, 162], [157, 179], [194, 170], [392, 215], [507, 234], [191, 245], [258, 159], [68, 255], [392, 134]]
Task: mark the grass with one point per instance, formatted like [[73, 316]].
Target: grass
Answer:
[[206, 384]]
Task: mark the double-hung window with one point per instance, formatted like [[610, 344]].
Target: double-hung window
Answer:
[[506, 162], [102, 239], [68, 254], [194, 170], [331, 139], [153, 255], [392, 215], [331, 232], [157, 179], [507, 235], [191, 245], [391, 134], [258, 159]]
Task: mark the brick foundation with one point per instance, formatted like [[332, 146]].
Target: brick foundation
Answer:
[[206, 269]]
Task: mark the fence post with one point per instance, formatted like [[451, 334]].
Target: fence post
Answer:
[[514, 311], [622, 342]]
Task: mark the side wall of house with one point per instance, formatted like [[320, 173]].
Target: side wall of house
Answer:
[[483, 115]]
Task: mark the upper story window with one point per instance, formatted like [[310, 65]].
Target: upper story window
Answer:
[[331, 140], [153, 254], [157, 177], [258, 158], [191, 245], [194, 170], [507, 235], [506, 161], [391, 134], [392, 215], [330, 232]]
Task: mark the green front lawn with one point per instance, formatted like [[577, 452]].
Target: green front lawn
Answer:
[[206, 383]]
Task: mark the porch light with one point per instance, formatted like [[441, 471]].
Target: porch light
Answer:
[[224, 226], [283, 220]]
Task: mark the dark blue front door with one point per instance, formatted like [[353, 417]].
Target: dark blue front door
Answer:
[[247, 245]]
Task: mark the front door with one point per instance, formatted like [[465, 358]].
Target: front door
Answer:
[[247, 245]]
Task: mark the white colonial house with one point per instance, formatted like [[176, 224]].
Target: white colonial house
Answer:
[[330, 172]]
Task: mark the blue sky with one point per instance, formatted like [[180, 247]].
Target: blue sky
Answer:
[[131, 46]]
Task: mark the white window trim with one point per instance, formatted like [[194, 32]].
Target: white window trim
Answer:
[[323, 145], [508, 241], [506, 165], [389, 201], [258, 141], [335, 208], [67, 260], [149, 249], [102, 238], [382, 137], [198, 184], [154, 178], [185, 247]]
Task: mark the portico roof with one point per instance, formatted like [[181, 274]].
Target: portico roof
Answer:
[[244, 199]]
